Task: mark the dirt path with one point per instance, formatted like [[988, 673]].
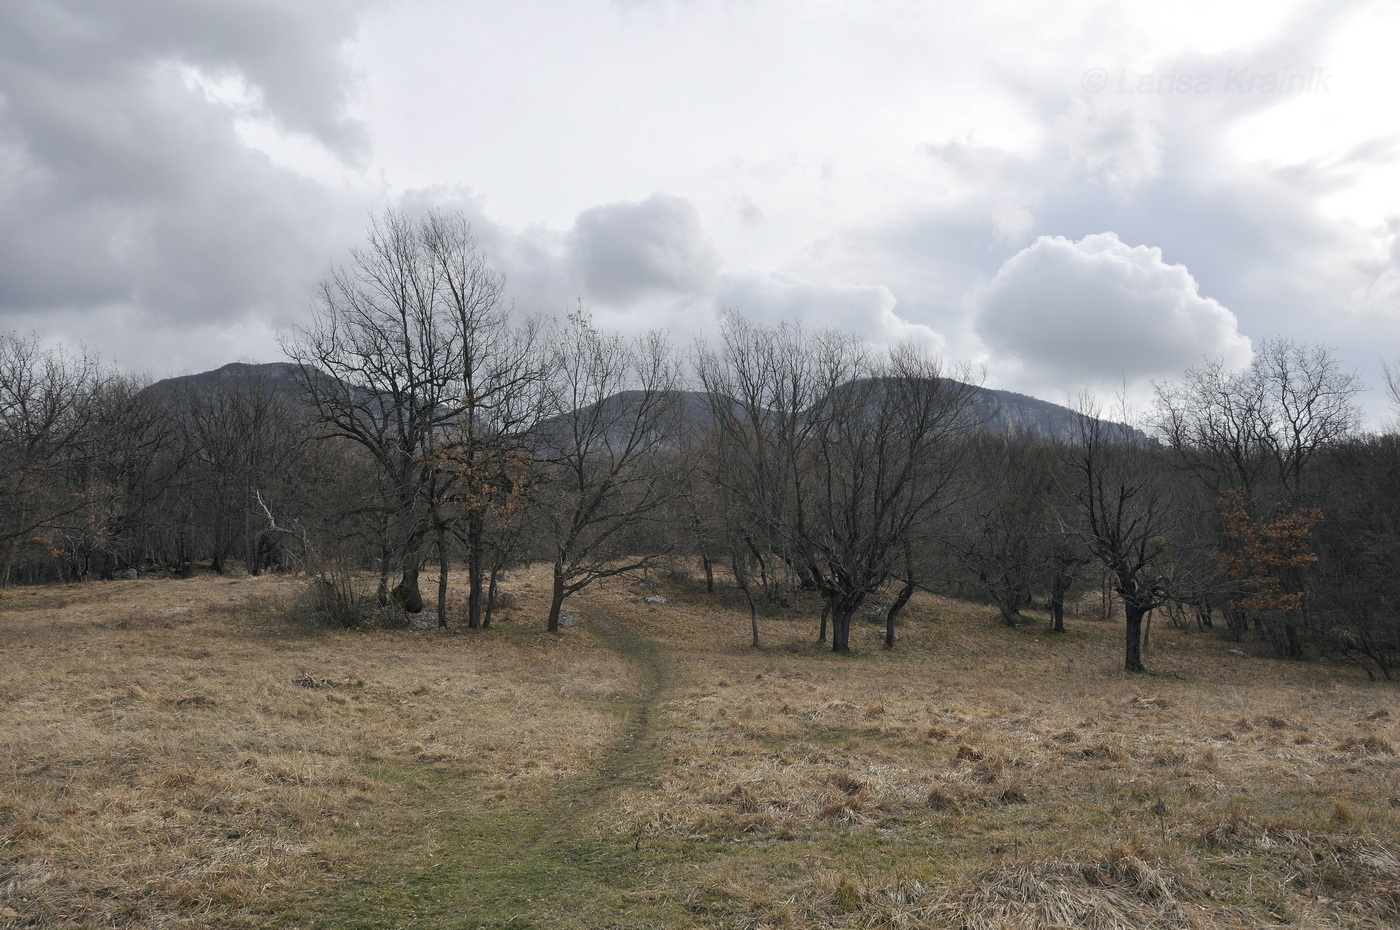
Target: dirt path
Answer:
[[542, 863], [631, 758]]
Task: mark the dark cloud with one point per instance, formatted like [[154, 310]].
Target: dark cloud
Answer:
[[626, 251], [126, 186]]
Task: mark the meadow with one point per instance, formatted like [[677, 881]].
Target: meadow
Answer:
[[181, 753]]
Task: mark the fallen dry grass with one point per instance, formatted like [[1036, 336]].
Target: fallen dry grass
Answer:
[[176, 754]]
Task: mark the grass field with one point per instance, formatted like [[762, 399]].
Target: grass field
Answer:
[[193, 753]]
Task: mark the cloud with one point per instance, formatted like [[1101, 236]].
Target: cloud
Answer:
[[866, 310], [647, 265], [626, 251], [1096, 311], [130, 199]]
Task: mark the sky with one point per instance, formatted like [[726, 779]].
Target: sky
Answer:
[[1068, 197]]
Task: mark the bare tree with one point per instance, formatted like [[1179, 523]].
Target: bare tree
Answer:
[[1124, 510], [758, 387], [1250, 439], [129, 475], [1258, 430], [833, 453], [382, 367], [1007, 528], [612, 407], [500, 380], [46, 418]]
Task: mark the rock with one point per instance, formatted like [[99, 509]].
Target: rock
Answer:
[[657, 599], [130, 574], [566, 619]]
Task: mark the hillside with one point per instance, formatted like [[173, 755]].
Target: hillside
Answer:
[[998, 411], [280, 376], [240, 767]]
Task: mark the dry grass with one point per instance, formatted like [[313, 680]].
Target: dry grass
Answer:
[[984, 777], [175, 754]]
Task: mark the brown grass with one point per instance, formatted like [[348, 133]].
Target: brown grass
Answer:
[[177, 754], [984, 777]]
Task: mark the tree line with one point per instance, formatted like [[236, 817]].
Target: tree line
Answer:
[[421, 421]]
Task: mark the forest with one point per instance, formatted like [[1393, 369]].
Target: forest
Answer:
[[419, 421]]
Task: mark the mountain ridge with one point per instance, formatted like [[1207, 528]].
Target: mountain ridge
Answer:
[[998, 410]]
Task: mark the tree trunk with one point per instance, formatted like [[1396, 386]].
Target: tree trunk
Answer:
[[476, 568], [1237, 622], [1132, 656], [892, 615], [741, 578], [1009, 615], [753, 619], [1060, 583], [1293, 642], [709, 573], [841, 630], [826, 612], [11, 555], [443, 567], [842, 611], [490, 599], [556, 602], [406, 594], [251, 554], [382, 594]]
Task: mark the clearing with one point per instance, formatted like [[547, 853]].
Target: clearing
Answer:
[[191, 753]]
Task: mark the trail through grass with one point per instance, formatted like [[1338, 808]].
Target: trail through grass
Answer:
[[177, 754], [453, 858]]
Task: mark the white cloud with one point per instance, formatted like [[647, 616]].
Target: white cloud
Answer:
[[867, 310], [175, 174], [1096, 311]]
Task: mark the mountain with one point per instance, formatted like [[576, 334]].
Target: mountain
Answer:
[[281, 377], [1009, 412], [998, 411]]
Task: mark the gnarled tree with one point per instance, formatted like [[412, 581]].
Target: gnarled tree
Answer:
[[833, 453]]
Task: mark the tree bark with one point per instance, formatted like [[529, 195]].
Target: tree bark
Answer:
[[443, 566], [1132, 655], [556, 603], [741, 578], [406, 594], [476, 559], [842, 611], [1057, 612], [892, 615], [490, 599], [841, 631]]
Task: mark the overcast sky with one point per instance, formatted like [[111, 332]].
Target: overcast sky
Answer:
[[1070, 196]]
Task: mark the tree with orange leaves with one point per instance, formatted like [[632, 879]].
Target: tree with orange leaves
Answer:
[[1265, 559]]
